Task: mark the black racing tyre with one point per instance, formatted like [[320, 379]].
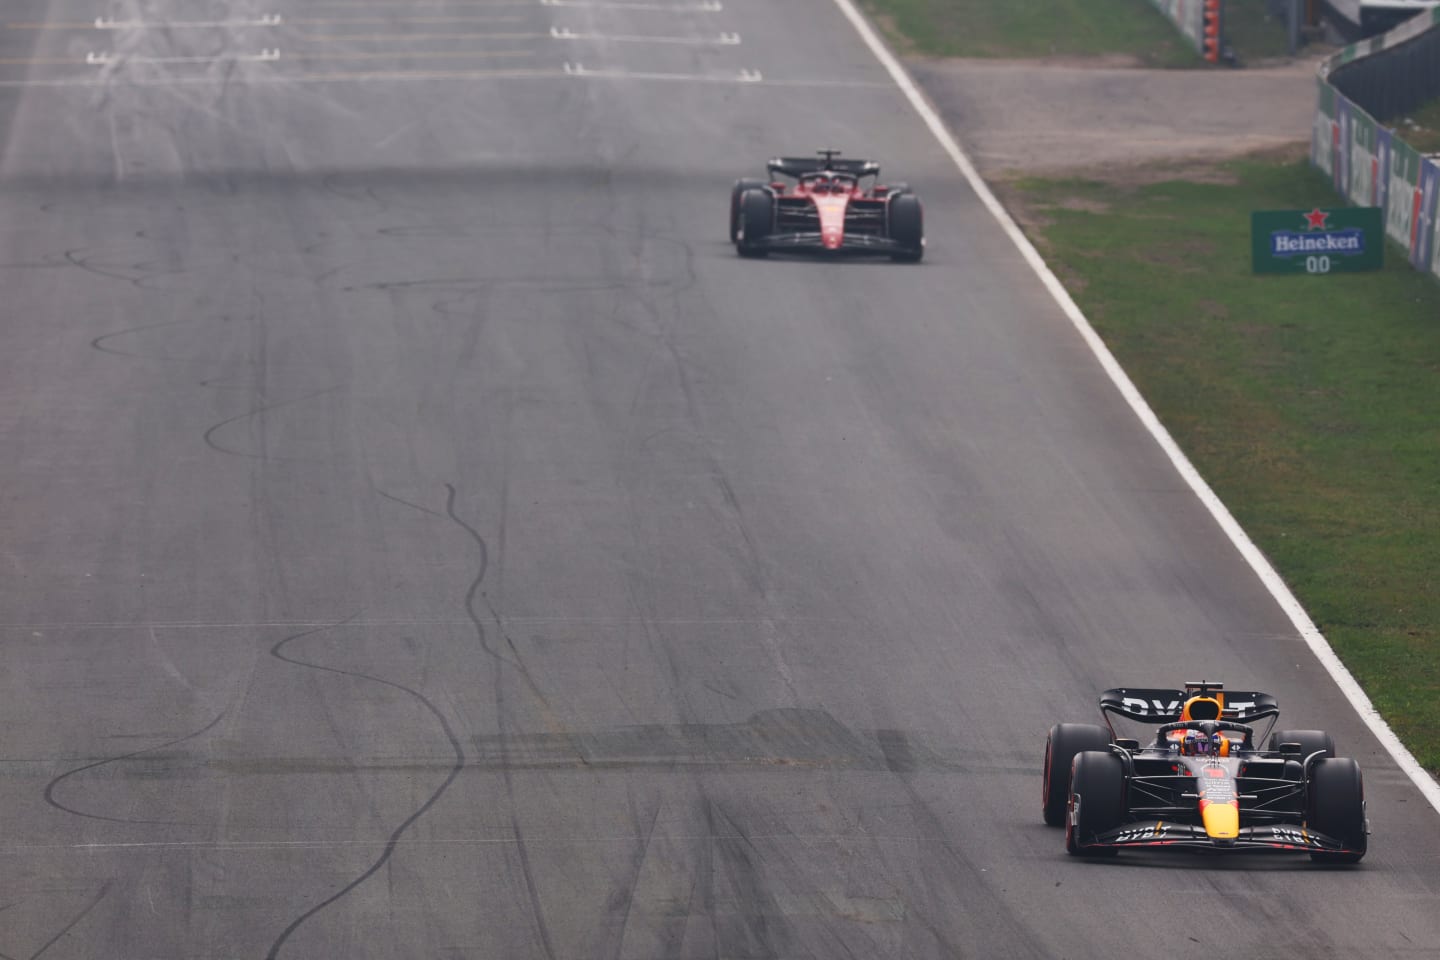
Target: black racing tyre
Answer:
[[1097, 798], [1064, 741], [1310, 741], [736, 193], [907, 228], [1337, 807], [757, 219]]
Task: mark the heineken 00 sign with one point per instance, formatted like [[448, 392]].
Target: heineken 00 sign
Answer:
[[1317, 241]]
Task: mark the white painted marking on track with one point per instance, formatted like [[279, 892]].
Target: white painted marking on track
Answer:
[[706, 6], [264, 56], [724, 39], [1272, 580], [110, 23], [412, 37], [744, 76], [400, 76]]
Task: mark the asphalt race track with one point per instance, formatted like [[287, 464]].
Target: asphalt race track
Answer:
[[423, 537]]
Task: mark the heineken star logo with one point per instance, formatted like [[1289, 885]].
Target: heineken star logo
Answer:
[[1315, 219]]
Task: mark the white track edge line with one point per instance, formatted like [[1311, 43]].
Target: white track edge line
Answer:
[[1311, 634]]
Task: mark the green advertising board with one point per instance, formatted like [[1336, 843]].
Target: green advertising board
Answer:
[[1317, 241]]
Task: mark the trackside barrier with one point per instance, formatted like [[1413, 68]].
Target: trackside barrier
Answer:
[[1366, 162], [1201, 21]]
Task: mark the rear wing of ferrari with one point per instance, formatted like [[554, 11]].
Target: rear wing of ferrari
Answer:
[[1163, 706], [795, 166]]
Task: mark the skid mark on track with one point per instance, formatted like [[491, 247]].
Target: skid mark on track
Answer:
[[94, 902], [55, 783], [138, 274], [472, 596], [209, 435], [99, 342], [278, 652], [406, 503], [623, 901], [475, 598]]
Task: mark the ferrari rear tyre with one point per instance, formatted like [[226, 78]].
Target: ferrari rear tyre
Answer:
[[1097, 802], [907, 228], [1063, 743], [1311, 741], [736, 193], [1337, 808], [757, 219]]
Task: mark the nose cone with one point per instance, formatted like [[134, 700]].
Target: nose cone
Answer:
[[832, 221], [1222, 820]]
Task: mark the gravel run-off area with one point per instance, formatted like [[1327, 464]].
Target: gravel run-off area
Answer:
[[1104, 118]]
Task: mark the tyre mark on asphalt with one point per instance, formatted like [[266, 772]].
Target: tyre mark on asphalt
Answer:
[[104, 889], [475, 596], [53, 784], [769, 934], [624, 902], [277, 651], [209, 435], [407, 503], [963, 876], [76, 260], [502, 724], [98, 342], [140, 274]]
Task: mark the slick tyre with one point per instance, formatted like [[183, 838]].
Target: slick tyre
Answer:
[[1061, 746], [1097, 802], [757, 219], [1337, 808], [736, 193], [1311, 741], [907, 228]]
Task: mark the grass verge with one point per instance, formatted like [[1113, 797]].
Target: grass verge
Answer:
[[1310, 404], [1421, 129]]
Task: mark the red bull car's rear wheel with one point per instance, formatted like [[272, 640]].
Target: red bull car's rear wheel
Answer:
[[1061, 746]]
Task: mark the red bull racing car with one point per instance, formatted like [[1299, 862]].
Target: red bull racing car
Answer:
[[1202, 782], [826, 205]]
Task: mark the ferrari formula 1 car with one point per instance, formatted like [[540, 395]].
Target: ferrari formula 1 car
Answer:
[[831, 206], [1202, 782]]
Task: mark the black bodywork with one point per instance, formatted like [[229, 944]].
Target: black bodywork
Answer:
[[1162, 794]]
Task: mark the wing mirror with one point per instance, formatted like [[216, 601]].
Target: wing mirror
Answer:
[[1290, 750]]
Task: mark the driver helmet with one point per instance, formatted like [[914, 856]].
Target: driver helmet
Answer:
[[1200, 744]]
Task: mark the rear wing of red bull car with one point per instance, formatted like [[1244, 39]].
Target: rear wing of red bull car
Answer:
[[1157, 706]]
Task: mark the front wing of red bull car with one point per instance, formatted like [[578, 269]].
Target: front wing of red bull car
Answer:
[[1201, 780], [826, 205]]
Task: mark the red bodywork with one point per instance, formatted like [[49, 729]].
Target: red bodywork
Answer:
[[828, 205], [830, 196]]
